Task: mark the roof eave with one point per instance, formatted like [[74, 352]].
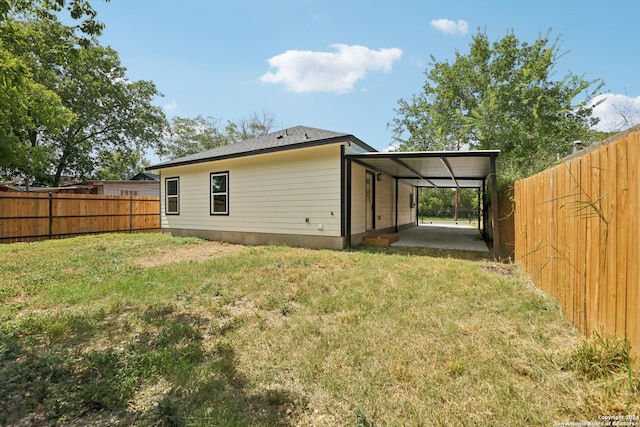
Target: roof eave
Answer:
[[302, 144]]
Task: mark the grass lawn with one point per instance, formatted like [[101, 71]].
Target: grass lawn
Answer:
[[146, 329]]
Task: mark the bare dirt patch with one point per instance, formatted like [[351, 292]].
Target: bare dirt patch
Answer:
[[501, 268], [198, 252]]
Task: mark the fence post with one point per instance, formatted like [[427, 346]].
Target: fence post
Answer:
[[130, 214], [50, 215]]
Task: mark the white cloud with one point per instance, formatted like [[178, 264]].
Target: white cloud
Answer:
[[335, 72], [393, 146], [616, 112], [170, 107], [447, 26]]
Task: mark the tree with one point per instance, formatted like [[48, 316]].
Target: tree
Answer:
[[441, 203], [103, 111], [500, 96], [47, 10], [194, 135], [190, 136], [250, 127], [115, 165], [113, 113], [25, 107], [26, 104]]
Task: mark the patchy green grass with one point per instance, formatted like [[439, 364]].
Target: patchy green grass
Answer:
[[152, 330]]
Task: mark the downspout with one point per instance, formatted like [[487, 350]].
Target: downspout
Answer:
[[160, 200], [494, 210]]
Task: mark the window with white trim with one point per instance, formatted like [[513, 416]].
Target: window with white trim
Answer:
[[220, 193], [172, 196]]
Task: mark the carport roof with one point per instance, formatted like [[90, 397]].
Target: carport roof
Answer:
[[440, 169]]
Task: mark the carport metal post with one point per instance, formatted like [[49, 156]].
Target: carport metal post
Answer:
[[493, 182], [482, 224], [396, 227], [347, 225], [479, 192]]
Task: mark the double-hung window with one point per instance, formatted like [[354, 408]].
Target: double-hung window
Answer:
[[172, 196], [220, 193]]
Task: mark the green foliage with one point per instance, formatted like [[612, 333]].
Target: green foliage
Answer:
[[190, 136], [47, 10], [601, 356], [500, 95], [441, 202], [194, 135], [249, 127], [120, 164], [68, 103], [168, 412], [362, 420], [27, 106]]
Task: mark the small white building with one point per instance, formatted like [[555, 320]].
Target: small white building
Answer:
[[142, 184], [300, 186]]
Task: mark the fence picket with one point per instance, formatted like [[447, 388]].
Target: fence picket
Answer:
[[576, 234], [37, 216]]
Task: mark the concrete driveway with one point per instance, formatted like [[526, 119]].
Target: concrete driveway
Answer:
[[443, 235]]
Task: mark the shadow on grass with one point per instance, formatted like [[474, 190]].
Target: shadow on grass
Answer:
[[63, 370], [430, 252]]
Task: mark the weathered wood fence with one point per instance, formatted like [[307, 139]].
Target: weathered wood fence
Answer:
[[39, 216], [577, 235]]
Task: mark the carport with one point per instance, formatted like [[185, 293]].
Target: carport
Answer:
[[437, 169]]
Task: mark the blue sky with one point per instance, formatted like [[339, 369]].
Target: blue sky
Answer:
[[342, 65]]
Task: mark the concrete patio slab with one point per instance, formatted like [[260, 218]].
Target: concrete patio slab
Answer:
[[443, 235]]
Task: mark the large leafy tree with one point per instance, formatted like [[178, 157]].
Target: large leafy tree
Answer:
[[193, 135], [80, 11], [500, 95], [26, 105], [251, 126], [94, 108]]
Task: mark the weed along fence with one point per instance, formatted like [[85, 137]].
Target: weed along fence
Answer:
[[39, 216], [577, 234]]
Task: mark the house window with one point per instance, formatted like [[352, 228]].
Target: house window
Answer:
[[128, 192], [172, 194], [220, 193]]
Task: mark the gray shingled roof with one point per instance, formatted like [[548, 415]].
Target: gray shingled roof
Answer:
[[286, 139]]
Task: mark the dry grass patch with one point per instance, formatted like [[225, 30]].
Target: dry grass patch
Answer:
[[199, 251]]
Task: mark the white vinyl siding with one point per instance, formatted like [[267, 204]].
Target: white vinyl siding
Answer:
[[385, 201], [358, 205], [129, 188], [268, 193], [406, 213]]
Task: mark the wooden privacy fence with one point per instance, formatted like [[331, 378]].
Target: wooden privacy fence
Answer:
[[39, 216], [577, 228]]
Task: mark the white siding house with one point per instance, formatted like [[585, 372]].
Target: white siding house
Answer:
[[292, 186]]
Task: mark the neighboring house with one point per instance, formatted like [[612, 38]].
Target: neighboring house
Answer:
[[300, 186], [142, 184]]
